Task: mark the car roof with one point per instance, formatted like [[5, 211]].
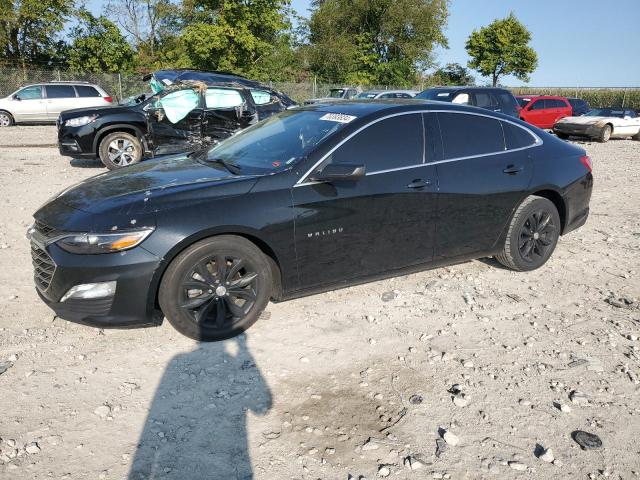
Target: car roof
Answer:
[[462, 87], [362, 107]]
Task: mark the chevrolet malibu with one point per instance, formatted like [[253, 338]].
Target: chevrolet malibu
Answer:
[[308, 200]]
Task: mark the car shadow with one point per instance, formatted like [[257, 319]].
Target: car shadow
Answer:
[[196, 426], [492, 262], [86, 163]]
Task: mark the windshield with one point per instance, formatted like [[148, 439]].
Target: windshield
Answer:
[[278, 142], [336, 93], [440, 94], [135, 99], [605, 112]]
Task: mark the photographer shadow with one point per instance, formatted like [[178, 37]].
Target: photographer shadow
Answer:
[[197, 424]]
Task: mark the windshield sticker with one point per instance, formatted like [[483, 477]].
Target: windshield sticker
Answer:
[[338, 117]]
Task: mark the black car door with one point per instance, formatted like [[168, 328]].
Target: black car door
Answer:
[[175, 121], [379, 222], [481, 178], [227, 110]]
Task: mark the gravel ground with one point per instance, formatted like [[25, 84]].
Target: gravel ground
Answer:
[[358, 383]]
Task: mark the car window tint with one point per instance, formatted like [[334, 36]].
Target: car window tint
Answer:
[[223, 98], [391, 143], [260, 97], [30, 93], [86, 91], [507, 102], [465, 135], [482, 99], [516, 137], [60, 91], [538, 105], [461, 99]]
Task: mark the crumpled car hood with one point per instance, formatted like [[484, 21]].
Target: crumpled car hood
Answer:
[[583, 120]]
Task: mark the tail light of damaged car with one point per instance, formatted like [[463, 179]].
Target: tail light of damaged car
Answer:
[[305, 201]]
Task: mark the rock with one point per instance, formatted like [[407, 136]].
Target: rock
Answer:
[[384, 471], [460, 401], [467, 364], [578, 398], [370, 445], [415, 399], [329, 451], [388, 296], [450, 438], [588, 441], [4, 366], [547, 456], [564, 408], [518, 466], [32, 448], [103, 411]]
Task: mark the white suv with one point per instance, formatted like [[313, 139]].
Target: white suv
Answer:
[[43, 102]]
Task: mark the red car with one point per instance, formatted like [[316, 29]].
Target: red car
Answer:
[[543, 110]]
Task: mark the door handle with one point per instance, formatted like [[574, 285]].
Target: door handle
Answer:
[[419, 183], [513, 169]]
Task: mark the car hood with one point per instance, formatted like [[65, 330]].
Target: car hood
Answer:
[[131, 195], [583, 120], [78, 112]]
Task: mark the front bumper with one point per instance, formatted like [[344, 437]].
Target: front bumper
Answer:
[[77, 142], [132, 305], [577, 129]]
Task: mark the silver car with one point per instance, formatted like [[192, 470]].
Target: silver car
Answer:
[[382, 94], [43, 102]]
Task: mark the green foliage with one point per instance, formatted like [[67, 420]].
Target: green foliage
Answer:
[[98, 46], [502, 48], [452, 74], [29, 29], [375, 41]]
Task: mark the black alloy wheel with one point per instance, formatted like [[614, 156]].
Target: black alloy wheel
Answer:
[[216, 288], [533, 234]]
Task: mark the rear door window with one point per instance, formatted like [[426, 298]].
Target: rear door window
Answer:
[[483, 99], [461, 99], [223, 98], [260, 97], [391, 143], [60, 91], [466, 135], [86, 91], [538, 105]]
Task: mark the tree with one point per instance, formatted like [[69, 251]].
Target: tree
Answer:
[[453, 74], [251, 37], [375, 41], [98, 46], [502, 48], [29, 29]]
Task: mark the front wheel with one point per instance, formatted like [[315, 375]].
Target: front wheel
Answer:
[[533, 234], [6, 120], [120, 149], [216, 288], [605, 134]]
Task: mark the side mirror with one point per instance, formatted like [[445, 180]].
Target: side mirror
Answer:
[[16, 97], [338, 171]]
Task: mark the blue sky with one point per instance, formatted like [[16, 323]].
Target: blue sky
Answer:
[[588, 43]]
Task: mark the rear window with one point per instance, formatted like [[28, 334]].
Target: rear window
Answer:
[[60, 91], [439, 94], [516, 137], [483, 99], [466, 135], [260, 97], [507, 101], [86, 91]]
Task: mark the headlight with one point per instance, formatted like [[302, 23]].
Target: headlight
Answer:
[[80, 121], [95, 243]]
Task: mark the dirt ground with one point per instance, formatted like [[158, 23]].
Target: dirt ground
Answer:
[[354, 383]]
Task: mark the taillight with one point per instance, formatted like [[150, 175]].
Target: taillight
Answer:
[[586, 161], [108, 99]]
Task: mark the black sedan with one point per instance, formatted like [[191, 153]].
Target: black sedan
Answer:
[[308, 200]]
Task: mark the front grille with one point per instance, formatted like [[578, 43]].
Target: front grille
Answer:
[[45, 230], [44, 267]]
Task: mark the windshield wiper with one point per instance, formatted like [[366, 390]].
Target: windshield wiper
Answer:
[[232, 167]]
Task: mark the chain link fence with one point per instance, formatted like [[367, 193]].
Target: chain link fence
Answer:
[[123, 85]]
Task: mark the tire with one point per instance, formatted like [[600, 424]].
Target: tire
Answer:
[[201, 302], [120, 149], [529, 244], [605, 134], [636, 136], [562, 136], [6, 120]]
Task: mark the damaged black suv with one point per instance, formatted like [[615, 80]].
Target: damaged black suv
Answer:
[[189, 110]]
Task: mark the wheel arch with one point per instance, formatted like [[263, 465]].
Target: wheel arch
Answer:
[[126, 128], [253, 236], [556, 198], [13, 119]]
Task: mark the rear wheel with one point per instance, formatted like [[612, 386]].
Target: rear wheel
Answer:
[[216, 288], [533, 234], [120, 149], [605, 134], [6, 120], [636, 136]]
